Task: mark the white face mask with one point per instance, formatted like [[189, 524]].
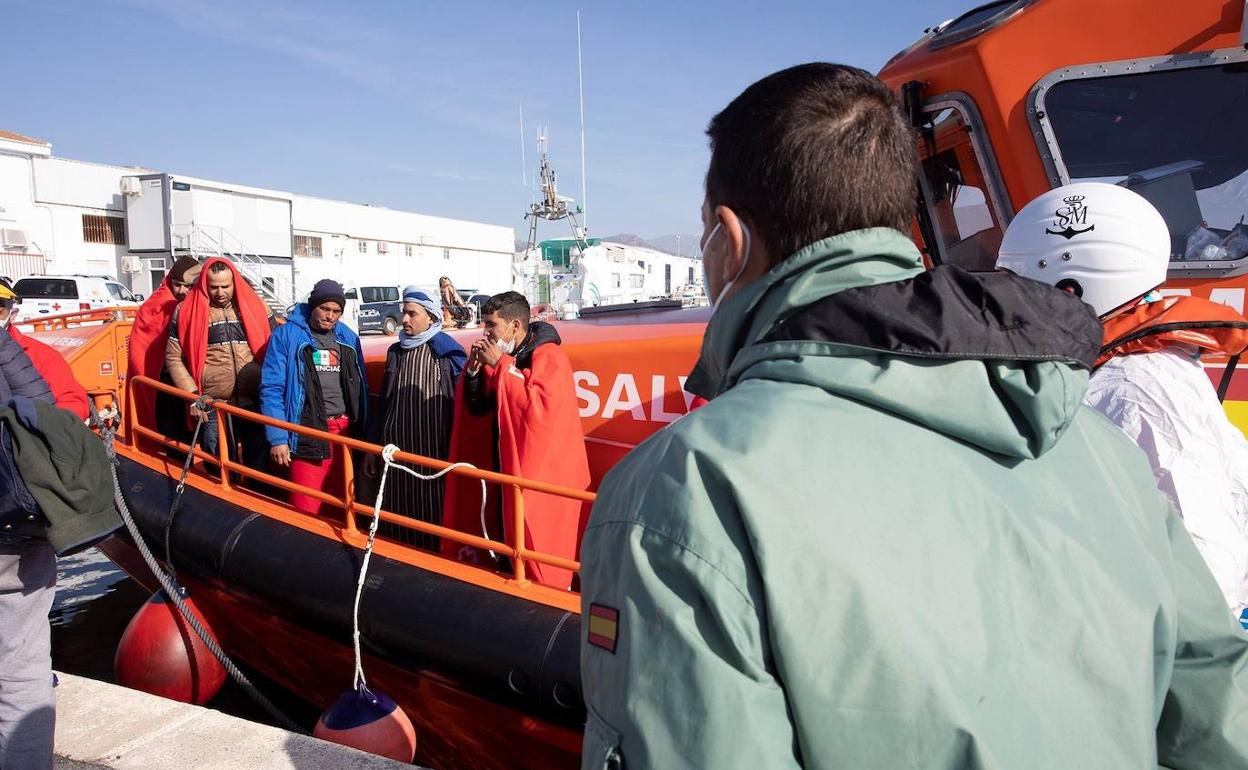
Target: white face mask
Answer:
[[706, 279], [506, 346]]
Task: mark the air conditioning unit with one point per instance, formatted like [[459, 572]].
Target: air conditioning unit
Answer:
[[130, 185], [13, 238], [131, 264]]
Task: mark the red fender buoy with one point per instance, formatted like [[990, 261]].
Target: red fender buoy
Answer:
[[370, 721], [161, 654]]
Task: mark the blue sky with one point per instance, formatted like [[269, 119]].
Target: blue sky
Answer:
[[415, 105]]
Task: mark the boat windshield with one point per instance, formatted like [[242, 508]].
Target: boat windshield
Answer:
[[1174, 136]]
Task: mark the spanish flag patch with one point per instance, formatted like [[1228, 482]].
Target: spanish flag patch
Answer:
[[604, 627]]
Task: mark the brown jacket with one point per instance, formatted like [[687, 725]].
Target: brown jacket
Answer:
[[231, 372]]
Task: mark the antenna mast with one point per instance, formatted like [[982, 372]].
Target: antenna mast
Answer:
[[524, 166], [580, 87]]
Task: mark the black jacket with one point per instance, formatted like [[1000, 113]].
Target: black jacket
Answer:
[[309, 448], [20, 517]]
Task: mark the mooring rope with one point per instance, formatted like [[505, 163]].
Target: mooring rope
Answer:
[[107, 421], [387, 454]]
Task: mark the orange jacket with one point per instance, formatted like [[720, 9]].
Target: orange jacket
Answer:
[[1214, 328]]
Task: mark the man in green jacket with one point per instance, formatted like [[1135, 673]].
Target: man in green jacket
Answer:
[[894, 538]]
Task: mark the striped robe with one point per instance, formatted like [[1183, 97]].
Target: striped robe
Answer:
[[418, 420]]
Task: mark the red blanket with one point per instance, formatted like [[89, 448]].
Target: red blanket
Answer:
[[193, 319], [52, 366], [148, 338], [540, 439]]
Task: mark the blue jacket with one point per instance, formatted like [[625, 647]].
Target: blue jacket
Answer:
[[283, 379]]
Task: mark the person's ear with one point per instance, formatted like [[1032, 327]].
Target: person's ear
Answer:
[[734, 248]]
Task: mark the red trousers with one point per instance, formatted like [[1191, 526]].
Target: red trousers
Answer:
[[325, 475]]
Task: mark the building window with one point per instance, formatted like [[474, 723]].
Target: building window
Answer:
[[156, 271], [446, 253], [307, 246], [98, 228], [383, 247], [636, 281], [691, 276], [615, 280], [363, 247], [407, 249]]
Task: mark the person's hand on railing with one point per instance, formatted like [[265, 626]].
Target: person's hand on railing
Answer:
[[280, 455], [198, 413]]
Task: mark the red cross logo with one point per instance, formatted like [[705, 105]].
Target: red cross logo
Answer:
[[56, 306]]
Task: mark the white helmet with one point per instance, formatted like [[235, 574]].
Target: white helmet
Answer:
[[1104, 242]]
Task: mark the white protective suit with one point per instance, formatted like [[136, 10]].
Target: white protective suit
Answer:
[[1167, 405]]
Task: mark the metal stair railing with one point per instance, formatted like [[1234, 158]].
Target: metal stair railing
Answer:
[[274, 284]]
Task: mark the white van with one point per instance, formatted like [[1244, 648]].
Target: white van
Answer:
[[56, 294], [371, 309]]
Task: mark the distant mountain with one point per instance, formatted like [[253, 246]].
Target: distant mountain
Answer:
[[688, 244], [685, 245], [628, 239]]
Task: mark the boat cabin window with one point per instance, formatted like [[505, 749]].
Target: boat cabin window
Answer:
[[1176, 137], [954, 190]]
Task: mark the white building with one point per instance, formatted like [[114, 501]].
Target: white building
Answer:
[[60, 216], [606, 273]]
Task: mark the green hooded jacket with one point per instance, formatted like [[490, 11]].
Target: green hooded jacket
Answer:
[[895, 539]]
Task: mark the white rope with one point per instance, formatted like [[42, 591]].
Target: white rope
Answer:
[[387, 454]]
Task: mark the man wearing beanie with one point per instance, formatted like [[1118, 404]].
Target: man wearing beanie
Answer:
[[416, 411], [313, 376], [148, 339]]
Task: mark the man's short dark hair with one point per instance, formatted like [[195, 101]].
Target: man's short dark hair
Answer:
[[813, 151], [511, 305], [218, 267]]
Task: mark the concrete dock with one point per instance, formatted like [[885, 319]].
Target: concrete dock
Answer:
[[101, 725]]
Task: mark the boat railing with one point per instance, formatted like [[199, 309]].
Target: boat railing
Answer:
[[52, 323], [137, 433]]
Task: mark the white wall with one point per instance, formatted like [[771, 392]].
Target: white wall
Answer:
[[17, 205], [17, 211], [474, 255], [64, 191], [255, 223], [76, 183], [48, 196], [342, 261]]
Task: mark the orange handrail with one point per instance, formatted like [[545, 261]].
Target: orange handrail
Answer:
[[60, 321], [517, 553]]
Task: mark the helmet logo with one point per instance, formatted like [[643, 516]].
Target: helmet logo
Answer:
[[1073, 213]]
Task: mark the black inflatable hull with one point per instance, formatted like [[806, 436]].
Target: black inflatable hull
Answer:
[[517, 654]]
